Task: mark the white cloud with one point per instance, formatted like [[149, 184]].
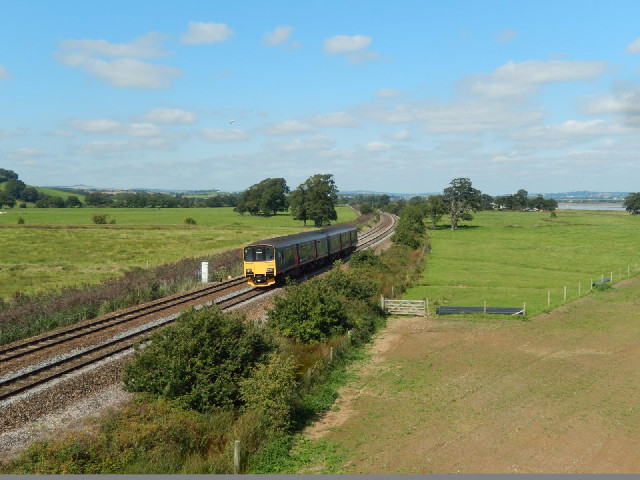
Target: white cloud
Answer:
[[120, 64], [218, 135], [376, 147], [147, 46], [25, 153], [346, 44], [505, 35], [170, 116], [144, 130], [624, 101], [387, 93], [288, 127], [100, 125], [12, 133], [334, 119], [402, 135], [633, 47], [279, 36], [4, 73], [312, 143], [519, 79], [200, 32]]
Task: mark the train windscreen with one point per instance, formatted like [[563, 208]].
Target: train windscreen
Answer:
[[258, 253]]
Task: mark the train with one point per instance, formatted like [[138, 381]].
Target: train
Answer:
[[270, 261]]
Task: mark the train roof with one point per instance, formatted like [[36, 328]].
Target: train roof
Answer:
[[305, 236]]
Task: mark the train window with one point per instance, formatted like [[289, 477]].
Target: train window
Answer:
[[259, 253]]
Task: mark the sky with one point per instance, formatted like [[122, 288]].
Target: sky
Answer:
[[388, 96]]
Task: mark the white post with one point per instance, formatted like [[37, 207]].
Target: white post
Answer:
[[382, 302], [331, 355], [565, 293], [236, 456], [205, 272], [524, 308], [579, 287]]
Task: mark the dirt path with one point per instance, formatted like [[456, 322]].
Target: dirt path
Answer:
[[559, 393]]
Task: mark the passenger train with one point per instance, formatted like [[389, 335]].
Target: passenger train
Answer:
[[269, 261]]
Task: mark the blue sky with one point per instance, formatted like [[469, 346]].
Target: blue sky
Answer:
[[389, 96]]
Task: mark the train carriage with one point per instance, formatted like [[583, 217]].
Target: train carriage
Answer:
[[272, 260]]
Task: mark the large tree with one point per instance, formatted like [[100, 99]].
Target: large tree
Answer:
[[265, 198], [434, 209], [460, 200], [315, 200], [632, 203]]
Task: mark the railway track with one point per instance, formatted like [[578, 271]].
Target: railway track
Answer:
[[32, 366]]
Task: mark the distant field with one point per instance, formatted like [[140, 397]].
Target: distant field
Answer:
[[59, 193], [511, 258], [59, 247]]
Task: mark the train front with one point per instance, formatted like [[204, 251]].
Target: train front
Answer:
[[260, 265]]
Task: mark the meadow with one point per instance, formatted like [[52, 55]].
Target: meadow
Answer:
[[508, 259], [62, 247]]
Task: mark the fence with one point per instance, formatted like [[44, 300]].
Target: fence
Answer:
[[404, 307]]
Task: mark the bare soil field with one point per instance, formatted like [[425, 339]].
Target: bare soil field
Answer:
[[557, 393]]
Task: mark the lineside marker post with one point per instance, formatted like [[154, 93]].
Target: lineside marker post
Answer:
[[236, 456], [485, 308], [205, 272], [579, 287], [565, 293]]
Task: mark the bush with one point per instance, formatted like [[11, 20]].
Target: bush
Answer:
[[190, 221], [309, 313], [270, 390], [200, 360], [100, 218], [20, 221]]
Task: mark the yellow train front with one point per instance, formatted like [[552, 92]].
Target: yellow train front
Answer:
[[270, 261]]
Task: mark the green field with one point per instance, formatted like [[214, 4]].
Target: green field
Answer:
[[60, 247], [511, 258]]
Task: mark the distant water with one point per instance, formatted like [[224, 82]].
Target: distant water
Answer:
[[590, 206]]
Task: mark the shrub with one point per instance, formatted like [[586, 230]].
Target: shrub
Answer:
[[190, 221], [309, 313], [100, 218], [20, 221], [200, 360], [270, 390]]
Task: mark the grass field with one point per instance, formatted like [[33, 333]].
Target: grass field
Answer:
[[511, 258], [59, 247]]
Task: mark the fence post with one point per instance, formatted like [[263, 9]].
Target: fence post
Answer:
[[611, 277], [524, 308], [565, 293], [382, 302], [331, 355], [579, 287], [236, 456]]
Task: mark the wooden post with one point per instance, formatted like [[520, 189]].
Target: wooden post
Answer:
[[591, 284], [485, 308], [524, 308], [611, 278], [236, 456], [579, 287], [382, 302], [393, 292], [565, 293], [349, 336]]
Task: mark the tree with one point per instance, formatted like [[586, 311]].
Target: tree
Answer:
[[321, 195], [461, 199], [73, 201], [434, 209], [6, 175], [298, 204], [98, 199], [410, 229], [632, 203], [14, 187], [6, 199], [265, 198]]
